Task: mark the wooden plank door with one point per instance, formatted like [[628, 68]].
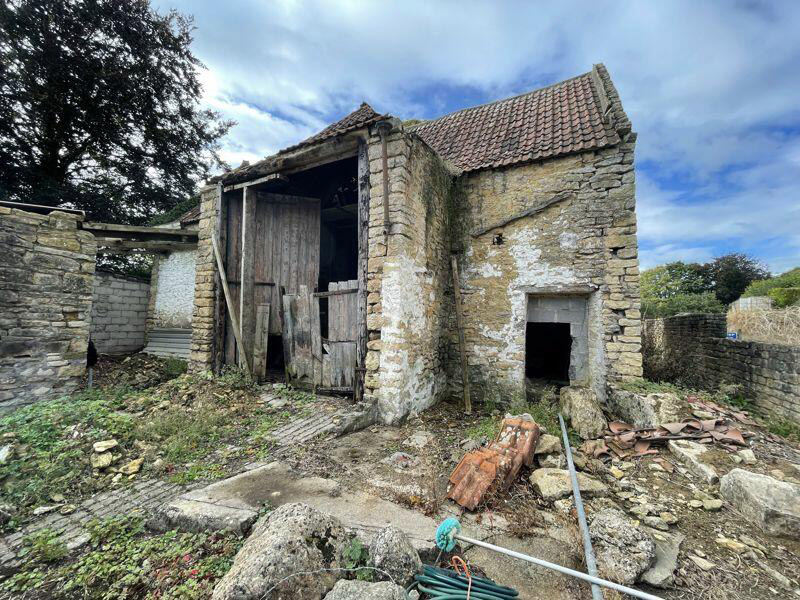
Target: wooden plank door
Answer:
[[281, 248], [339, 363], [302, 342]]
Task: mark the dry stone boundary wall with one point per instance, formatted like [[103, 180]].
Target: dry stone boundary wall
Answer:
[[693, 349], [47, 271]]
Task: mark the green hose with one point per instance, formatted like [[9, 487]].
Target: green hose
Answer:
[[444, 584]]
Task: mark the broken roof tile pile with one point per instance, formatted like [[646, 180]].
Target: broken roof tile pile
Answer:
[[552, 121]]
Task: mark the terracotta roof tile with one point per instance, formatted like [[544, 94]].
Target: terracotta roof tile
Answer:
[[362, 116], [191, 216], [553, 121]]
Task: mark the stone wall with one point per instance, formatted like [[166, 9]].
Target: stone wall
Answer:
[[47, 269], [693, 350], [585, 245], [407, 306], [202, 356], [119, 310], [172, 289]]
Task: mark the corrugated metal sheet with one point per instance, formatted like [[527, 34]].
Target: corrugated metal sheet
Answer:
[[169, 342]]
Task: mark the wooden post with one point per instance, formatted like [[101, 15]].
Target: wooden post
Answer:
[[363, 253], [261, 341], [462, 346], [287, 351], [247, 309], [228, 300]]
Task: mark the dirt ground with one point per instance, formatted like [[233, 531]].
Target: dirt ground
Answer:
[[432, 443], [409, 465]]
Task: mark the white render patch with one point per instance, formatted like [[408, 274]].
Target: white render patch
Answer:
[[407, 386], [175, 290], [568, 240], [531, 271]]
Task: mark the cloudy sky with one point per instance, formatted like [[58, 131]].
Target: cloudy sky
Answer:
[[712, 88]]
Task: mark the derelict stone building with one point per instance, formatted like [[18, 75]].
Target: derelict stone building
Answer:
[[335, 258]]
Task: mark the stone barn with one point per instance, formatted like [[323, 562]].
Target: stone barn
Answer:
[[408, 261]]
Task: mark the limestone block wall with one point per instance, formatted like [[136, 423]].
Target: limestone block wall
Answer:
[[47, 270], [586, 242], [203, 310], [172, 291], [693, 350], [407, 305], [119, 311]]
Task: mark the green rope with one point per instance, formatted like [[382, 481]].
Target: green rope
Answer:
[[444, 584]]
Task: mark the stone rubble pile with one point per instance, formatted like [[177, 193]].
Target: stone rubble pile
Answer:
[[301, 553]]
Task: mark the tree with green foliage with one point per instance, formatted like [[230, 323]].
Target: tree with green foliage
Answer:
[[784, 289], [673, 279], [730, 275], [100, 108], [677, 287], [705, 303]]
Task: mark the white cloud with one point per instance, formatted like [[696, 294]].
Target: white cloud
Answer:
[[711, 88]]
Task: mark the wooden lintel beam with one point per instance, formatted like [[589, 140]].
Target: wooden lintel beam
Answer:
[[107, 244], [165, 231], [267, 178], [536, 208]]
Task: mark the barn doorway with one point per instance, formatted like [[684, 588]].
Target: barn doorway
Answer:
[[548, 347]]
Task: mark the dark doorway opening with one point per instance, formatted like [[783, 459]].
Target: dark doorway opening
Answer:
[[275, 365], [547, 351]]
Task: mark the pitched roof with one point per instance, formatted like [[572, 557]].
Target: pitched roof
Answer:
[[560, 119], [362, 116], [190, 216]]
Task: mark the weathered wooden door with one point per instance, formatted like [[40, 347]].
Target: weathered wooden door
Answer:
[[339, 349], [281, 235], [301, 337]]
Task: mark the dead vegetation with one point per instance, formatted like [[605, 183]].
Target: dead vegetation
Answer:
[[771, 326]]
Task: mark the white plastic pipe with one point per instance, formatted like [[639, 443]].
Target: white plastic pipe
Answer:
[[559, 568]]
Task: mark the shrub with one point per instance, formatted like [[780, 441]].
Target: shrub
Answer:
[[790, 279], [784, 296], [681, 303]]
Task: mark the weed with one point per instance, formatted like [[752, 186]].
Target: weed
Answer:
[[357, 555], [125, 563], [196, 472], [38, 551], [183, 436], [294, 395], [50, 437], [236, 378], [44, 546], [644, 386], [487, 427], [174, 367], [784, 428]]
